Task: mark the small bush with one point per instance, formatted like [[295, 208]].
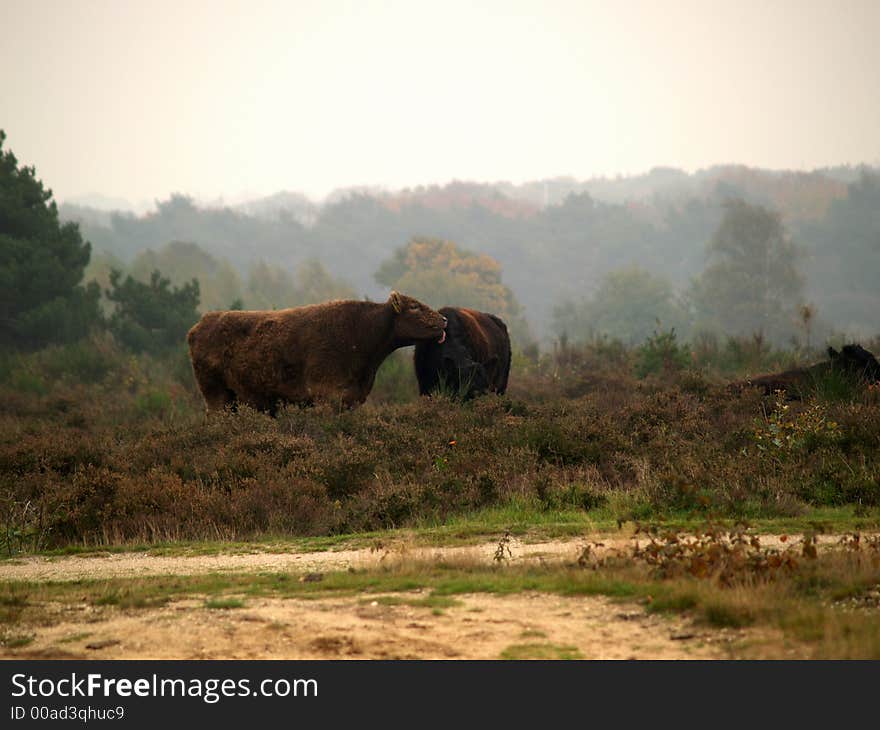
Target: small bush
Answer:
[[661, 353], [153, 403], [29, 382], [86, 361], [786, 430]]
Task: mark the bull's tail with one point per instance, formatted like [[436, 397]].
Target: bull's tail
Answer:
[[505, 375]]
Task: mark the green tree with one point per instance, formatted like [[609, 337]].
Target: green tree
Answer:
[[315, 284], [152, 317], [627, 306], [269, 287], [752, 282], [182, 261], [98, 271], [41, 264], [440, 273], [844, 261]]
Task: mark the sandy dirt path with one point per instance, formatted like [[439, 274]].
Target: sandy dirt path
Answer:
[[131, 565]]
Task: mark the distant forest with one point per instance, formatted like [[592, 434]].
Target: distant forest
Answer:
[[565, 247]]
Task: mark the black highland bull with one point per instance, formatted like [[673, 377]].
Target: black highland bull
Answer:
[[472, 360], [853, 362]]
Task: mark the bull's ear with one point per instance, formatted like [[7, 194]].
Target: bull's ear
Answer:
[[832, 353], [395, 301]]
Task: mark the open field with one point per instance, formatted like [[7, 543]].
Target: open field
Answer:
[[317, 344]]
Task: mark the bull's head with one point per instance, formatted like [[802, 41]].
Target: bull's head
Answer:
[[415, 321], [856, 360]]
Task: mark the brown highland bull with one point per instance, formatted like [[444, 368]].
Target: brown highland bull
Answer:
[[322, 352]]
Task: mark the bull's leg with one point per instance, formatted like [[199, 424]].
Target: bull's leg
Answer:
[[217, 396], [218, 399], [342, 397], [352, 398]]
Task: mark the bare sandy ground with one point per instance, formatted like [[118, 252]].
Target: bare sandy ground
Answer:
[[478, 626], [526, 625]]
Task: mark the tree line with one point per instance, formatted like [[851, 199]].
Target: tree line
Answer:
[[580, 269], [549, 256]]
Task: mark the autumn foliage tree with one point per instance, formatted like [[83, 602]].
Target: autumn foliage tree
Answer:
[[440, 274]]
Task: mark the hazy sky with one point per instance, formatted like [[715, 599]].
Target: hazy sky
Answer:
[[138, 99]]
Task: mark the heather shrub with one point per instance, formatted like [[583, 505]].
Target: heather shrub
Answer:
[[131, 456], [85, 361]]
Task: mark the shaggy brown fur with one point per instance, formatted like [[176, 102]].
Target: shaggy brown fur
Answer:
[[322, 352]]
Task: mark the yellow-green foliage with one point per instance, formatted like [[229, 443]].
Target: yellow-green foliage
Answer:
[[786, 429], [441, 274]]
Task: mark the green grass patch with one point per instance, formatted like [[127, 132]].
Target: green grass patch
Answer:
[[224, 603], [16, 641], [726, 615], [524, 519], [432, 601], [73, 638], [672, 601], [130, 599], [540, 651]]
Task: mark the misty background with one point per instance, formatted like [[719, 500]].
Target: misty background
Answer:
[[617, 256], [583, 170]]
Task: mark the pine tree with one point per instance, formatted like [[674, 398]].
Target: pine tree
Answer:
[[41, 264]]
